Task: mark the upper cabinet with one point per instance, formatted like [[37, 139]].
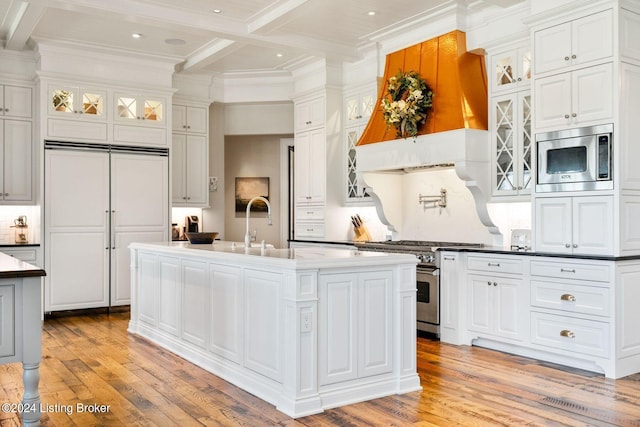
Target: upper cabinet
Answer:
[[359, 106], [574, 43], [310, 113], [77, 103], [140, 109], [511, 69], [189, 119], [15, 101]]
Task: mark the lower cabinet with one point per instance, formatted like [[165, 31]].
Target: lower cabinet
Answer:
[[580, 312], [355, 326]]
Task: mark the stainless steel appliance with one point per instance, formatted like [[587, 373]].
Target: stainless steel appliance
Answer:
[[427, 276], [575, 159], [192, 224]]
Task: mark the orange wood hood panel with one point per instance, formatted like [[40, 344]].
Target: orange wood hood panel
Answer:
[[458, 80]]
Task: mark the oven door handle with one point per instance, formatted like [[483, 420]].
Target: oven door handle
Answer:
[[428, 270]]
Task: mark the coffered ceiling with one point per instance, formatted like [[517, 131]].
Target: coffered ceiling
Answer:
[[220, 36]]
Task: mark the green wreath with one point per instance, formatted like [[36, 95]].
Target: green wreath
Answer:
[[406, 103]]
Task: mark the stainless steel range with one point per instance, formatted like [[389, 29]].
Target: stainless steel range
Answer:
[[427, 275]]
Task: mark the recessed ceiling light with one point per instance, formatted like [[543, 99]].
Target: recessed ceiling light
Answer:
[[371, 13], [217, 10], [175, 42], [279, 55], [136, 35]]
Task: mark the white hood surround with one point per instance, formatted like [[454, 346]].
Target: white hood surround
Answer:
[[381, 165]]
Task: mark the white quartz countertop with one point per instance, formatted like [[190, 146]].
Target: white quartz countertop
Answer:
[[308, 257]]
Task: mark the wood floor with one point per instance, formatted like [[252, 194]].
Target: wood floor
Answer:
[[92, 360]]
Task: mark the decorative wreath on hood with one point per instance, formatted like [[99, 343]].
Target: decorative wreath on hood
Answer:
[[407, 103]]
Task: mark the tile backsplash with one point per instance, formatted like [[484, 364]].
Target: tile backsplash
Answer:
[[8, 215]]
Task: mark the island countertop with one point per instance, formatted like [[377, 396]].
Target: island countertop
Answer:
[[11, 267], [307, 257]]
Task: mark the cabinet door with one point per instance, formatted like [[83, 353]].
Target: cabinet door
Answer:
[[480, 304], [592, 94], [354, 192], [17, 102], [553, 228], [511, 69], [449, 295], [140, 109], [375, 324], [511, 308], [310, 114], [593, 225], [592, 37], [7, 320], [178, 118], [196, 170], [317, 166], [77, 232], [302, 155], [552, 48], [197, 119], [17, 161], [337, 328], [553, 101], [196, 297], [178, 169]]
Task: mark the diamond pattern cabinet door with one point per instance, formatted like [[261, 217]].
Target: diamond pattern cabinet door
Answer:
[[127, 107], [354, 192], [511, 133], [144, 110], [511, 69], [79, 102]]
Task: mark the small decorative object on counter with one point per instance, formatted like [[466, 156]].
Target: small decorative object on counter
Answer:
[[175, 231], [360, 230], [21, 232]]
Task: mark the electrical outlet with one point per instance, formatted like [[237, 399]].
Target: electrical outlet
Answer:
[[305, 321], [213, 184]]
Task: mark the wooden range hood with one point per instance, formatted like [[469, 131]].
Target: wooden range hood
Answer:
[[457, 78]]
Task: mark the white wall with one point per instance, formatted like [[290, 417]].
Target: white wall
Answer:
[[258, 118]]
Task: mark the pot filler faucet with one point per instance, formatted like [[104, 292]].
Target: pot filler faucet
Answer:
[[247, 236]]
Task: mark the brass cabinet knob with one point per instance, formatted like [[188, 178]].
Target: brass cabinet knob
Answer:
[[567, 333]]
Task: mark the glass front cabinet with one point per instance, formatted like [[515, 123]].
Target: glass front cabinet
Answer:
[[142, 109], [511, 145], [511, 69], [76, 103]]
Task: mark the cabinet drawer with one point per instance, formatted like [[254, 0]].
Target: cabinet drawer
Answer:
[[309, 213], [573, 298], [570, 334], [309, 229], [570, 270], [76, 129], [495, 265], [140, 134], [28, 255]]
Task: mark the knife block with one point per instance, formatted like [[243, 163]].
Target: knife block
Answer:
[[361, 234]]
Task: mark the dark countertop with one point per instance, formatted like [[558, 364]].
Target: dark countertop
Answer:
[[506, 251], [18, 245], [11, 267]]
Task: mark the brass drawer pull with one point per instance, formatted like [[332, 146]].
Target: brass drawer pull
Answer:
[[567, 333], [567, 297]]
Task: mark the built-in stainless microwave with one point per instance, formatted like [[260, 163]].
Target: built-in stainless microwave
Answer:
[[575, 159]]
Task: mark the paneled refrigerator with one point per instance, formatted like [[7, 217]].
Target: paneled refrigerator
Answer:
[[98, 198]]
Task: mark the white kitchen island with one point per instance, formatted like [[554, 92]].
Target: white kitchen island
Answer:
[[305, 329]]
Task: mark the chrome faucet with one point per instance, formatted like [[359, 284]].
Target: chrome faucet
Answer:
[[247, 236]]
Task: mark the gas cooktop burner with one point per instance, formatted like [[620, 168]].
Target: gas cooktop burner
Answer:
[[424, 250]]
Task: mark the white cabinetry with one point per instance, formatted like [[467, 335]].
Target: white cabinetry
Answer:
[[190, 156], [511, 69], [574, 43], [140, 119], [450, 294], [511, 133], [16, 145], [16, 179], [15, 101], [310, 113], [355, 326], [576, 98], [121, 198], [76, 112], [574, 225], [358, 107], [30, 254], [497, 298]]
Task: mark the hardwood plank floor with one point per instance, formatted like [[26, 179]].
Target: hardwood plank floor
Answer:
[[91, 359]]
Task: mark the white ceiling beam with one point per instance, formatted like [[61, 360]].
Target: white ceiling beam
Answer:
[[209, 54], [276, 17], [20, 21]]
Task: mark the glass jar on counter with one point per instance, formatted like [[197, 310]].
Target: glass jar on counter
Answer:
[[175, 231]]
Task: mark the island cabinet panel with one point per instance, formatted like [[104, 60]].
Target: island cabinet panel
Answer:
[[355, 326], [169, 295], [337, 328], [195, 301], [147, 309], [7, 303], [263, 314], [227, 290]]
